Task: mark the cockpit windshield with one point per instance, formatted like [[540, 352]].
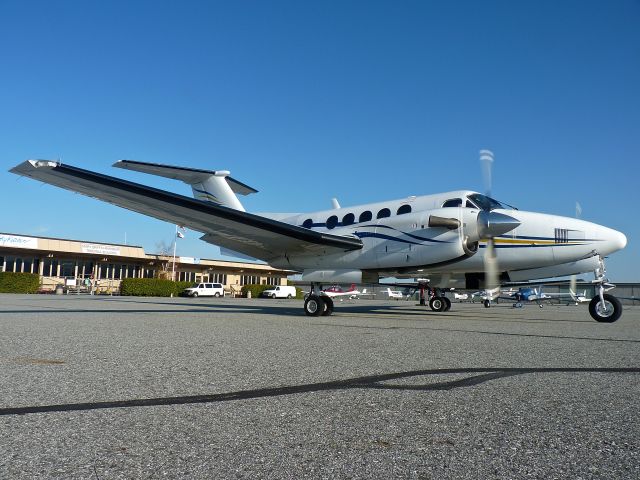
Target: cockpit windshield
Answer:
[[487, 203]]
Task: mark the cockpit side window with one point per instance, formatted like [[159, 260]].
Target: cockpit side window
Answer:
[[487, 203], [452, 202]]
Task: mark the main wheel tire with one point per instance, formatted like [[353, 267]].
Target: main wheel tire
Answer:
[[607, 313], [437, 304], [328, 307], [447, 302], [486, 303], [313, 306]]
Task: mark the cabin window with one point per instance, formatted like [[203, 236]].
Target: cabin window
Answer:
[[365, 216], [384, 213], [470, 205], [332, 221], [348, 219], [453, 202], [308, 223], [404, 209]]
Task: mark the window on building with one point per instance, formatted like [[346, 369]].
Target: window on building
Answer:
[[249, 280], [26, 265], [365, 216], [10, 264], [105, 271], [404, 209], [384, 213], [1, 264], [67, 268], [49, 267]]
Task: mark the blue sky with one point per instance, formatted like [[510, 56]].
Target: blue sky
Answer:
[[304, 101]]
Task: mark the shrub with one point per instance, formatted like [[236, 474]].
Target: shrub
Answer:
[[255, 289], [11, 282], [151, 287]]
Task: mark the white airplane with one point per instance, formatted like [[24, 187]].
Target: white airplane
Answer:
[[460, 296], [452, 237], [394, 294]]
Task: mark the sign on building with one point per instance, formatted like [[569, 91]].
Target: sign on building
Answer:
[[18, 242], [100, 249]]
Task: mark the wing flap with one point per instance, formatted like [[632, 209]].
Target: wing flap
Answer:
[[247, 233]]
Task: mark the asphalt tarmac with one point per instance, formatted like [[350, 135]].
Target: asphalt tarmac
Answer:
[[148, 388]]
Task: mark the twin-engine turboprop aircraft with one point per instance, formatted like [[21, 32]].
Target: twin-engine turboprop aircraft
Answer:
[[448, 237]]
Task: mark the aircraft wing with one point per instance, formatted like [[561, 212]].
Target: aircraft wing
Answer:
[[250, 234]]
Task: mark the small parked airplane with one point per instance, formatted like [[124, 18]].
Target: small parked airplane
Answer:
[[397, 294], [336, 291], [460, 239]]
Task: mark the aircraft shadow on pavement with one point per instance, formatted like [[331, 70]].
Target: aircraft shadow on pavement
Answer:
[[475, 376], [289, 308]]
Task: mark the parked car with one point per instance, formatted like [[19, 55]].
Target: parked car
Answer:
[[280, 291], [204, 290]]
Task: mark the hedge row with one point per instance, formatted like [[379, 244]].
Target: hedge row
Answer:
[[11, 282], [151, 287]]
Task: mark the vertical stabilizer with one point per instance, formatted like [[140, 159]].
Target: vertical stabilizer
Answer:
[[216, 189]]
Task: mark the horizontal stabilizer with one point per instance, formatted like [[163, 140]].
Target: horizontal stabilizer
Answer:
[[190, 176]]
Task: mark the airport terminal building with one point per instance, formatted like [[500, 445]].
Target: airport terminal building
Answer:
[[63, 261]]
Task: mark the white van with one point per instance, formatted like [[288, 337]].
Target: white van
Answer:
[[280, 291], [205, 290]]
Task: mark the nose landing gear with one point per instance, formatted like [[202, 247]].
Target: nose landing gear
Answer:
[[603, 307]]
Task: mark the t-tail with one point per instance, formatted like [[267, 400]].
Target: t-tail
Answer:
[[209, 185]]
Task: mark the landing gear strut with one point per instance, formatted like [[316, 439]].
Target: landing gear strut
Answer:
[[603, 307]]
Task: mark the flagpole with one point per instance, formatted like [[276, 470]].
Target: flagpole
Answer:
[[173, 267]]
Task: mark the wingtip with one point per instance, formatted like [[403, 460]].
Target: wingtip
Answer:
[[29, 165]]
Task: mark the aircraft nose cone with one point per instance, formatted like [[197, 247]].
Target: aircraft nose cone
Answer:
[[492, 224], [619, 240]]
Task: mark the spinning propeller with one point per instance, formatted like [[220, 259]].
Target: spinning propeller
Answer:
[[491, 280]]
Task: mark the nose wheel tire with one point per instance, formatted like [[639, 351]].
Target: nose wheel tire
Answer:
[[313, 306], [487, 304], [608, 312]]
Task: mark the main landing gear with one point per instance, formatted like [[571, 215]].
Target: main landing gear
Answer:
[[438, 302], [316, 304], [603, 307]]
